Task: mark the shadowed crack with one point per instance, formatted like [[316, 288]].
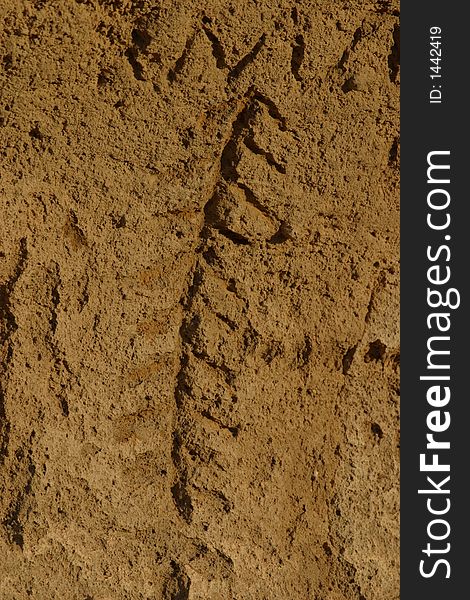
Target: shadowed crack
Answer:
[[173, 73], [218, 51], [4, 428], [8, 326], [394, 56], [253, 146], [348, 358], [346, 54], [298, 53], [246, 60], [13, 522], [177, 587], [273, 110]]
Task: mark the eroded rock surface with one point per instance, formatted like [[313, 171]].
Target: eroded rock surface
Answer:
[[199, 277]]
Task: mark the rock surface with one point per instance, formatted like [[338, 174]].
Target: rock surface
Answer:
[[199, 271]]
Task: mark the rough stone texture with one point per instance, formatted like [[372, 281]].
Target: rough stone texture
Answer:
[[199, 300]]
